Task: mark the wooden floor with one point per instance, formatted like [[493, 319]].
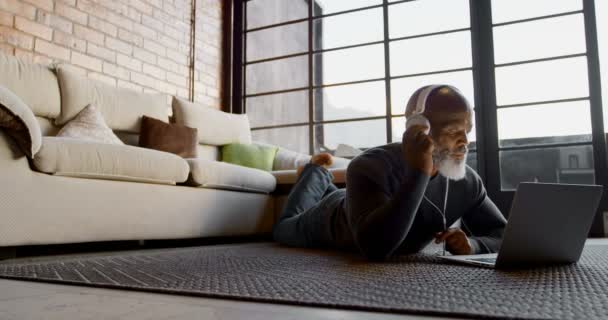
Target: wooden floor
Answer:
[[37, 300]]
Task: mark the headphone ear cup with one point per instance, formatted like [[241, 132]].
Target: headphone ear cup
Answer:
[[420, 120]]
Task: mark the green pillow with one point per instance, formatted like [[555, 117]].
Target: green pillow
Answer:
[[250, 155]]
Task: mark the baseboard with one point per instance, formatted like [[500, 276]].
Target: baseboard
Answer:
[[8, 253]]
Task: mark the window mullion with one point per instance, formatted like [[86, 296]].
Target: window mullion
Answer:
[[387, 73]]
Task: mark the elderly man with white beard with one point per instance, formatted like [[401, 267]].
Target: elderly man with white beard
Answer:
[[401, 196]]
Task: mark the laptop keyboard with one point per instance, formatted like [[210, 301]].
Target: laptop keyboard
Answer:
[[487, 260]]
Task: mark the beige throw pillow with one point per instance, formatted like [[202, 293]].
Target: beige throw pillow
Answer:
[[89, 125]]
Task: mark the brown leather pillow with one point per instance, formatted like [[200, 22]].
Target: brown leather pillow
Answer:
[[168, 137]]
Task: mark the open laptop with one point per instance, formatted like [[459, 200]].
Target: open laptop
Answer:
[[548, 224]]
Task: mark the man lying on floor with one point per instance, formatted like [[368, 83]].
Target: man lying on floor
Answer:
[[400, 196]]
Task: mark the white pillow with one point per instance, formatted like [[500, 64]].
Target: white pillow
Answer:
[[89, 125], [19, 122], [215, 127]]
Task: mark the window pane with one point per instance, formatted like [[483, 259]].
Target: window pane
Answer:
[[279, 41], [402, 89], [278, 109], [545, 124], [539, 39], [331, 6], [348, 29], [277, 75], [359, 134], [266, 12], [601, 11], [420, 17], [542, 81], [398, 128], [292, 138], [472, 160], [555, 165], [435, 53], [350, 101], [360, 63], [509, 10]]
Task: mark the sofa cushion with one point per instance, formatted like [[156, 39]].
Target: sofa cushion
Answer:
[[89, 125], [221, 175], [169, 137], [35, 84], [290, 176], [18, 120], [121, 108], [78, 158], [215, 127]]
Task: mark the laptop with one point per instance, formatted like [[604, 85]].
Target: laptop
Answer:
[[548, 224]]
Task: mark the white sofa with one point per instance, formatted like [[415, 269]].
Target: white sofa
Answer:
[[73, 191]]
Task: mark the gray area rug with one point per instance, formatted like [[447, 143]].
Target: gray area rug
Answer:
[[267, 272]]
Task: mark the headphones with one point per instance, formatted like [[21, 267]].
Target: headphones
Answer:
[[417, 118]]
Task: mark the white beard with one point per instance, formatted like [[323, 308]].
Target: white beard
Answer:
[[448, 167]]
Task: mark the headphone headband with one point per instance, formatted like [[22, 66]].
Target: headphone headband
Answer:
[[423, 96]]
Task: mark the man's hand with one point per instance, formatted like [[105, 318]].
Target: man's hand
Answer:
[[418, 149], [456, 241]]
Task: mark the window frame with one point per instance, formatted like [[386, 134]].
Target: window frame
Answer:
[[483, 67]]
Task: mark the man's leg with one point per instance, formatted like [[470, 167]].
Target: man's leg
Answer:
[[303, 221]]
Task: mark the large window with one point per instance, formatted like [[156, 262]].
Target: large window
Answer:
[[348, 81], [322, 73]]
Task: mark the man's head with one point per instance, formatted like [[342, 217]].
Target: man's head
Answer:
[[450, 116]]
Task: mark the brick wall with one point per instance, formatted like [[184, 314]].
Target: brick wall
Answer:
[[143, 45]]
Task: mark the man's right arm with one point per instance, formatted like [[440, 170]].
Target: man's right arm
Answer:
[[380, 223]]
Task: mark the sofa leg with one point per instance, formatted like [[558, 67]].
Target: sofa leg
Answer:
[[8, 253]]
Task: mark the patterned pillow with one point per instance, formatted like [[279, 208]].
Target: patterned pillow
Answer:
[[89, 125]]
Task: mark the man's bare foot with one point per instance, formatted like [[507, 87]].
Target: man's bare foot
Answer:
[[322, 159]]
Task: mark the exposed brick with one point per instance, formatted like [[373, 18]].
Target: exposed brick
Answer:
[[52, 50], [105, 27], [144, 31], [119, 20], [86, 61], [130, 85], [154, 71], [16, 38], [152, 23], [101, 52], [71, 13], [6, 19], [33, 28], [19, 8], [69, 41], [131, 37], [93, 8], [141, 6], [134, 15], [116, 71], [128, 62], [177, 79], [24, 55], [55, 22], [89, 34], [7, 49], [118, 45], [144, 55], [144, 80], [103, 78], [155, 47], [43, 4]]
